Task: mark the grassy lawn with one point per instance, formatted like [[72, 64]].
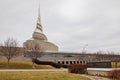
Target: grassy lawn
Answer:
[[23, 65], [118, 64], [40, 76]]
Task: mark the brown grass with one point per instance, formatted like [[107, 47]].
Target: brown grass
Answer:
[[118, 64], [23, 65], [40, 76]]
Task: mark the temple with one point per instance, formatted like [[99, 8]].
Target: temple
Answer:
[[38, 37], [51, 53]]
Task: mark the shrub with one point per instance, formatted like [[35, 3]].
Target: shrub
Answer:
[[77, 68], [114, 74]]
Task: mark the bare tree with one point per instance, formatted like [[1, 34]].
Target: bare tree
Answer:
[[33, 51], [84, 49], [9, 49]]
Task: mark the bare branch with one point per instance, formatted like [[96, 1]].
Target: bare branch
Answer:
[[9, 49], [34, 50]]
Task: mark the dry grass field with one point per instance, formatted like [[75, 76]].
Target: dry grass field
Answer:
[[40, 76], [28, 65], [23, 65], [114, 64]]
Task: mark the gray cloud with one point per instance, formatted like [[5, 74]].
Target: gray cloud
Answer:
[[71, 24]]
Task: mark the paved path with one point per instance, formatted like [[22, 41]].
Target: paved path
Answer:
[[33, 70]]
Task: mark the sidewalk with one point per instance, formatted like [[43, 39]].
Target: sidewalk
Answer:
[[33, 70]]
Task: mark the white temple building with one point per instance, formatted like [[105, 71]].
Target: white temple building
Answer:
[[52, 54], [38, 37]]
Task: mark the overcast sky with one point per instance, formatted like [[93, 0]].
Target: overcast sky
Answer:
[[70, 24]]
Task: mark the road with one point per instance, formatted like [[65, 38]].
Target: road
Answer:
[[33, 70]]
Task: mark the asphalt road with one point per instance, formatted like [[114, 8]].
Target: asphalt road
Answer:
[[33, 70]]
